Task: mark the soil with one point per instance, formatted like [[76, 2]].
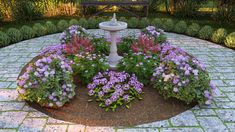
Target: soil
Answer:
[[153, 107]]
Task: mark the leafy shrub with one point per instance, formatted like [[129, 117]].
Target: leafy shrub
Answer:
[[73, 22], [100, 19], [62, 25], [123, 19], [78, 45], [144, 22], [182, 76], [15, 35], [48, 82], [83, 22], [86, 66], [51, 27], [125, 45], [230, 40], [225, 12], [100, 45], [157, 23], [92, 23], [140, 64], [146, 45], [27, 32], [193, 29], [158, 35], [67, 35], [39, 29], [133, 22], [168, 25], [219, 35], [4, 39], [180, 27], [206, 32], [113, 93], [25, 10], [1, 16]]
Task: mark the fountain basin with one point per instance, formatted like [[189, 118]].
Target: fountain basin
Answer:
[[108, 26]]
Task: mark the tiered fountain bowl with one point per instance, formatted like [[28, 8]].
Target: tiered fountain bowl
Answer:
[[113, 26]]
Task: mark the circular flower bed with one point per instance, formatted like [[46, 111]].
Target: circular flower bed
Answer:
[[148, 61], [113, 89], [48, 82]]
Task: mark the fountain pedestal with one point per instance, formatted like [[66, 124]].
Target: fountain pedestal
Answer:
[[113, 27]]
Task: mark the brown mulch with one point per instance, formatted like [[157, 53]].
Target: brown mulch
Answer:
[[152, 107]]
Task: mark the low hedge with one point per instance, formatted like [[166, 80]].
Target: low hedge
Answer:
[[206, 32]]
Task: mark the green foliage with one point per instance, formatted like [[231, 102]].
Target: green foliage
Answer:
[[100, 19], [193, 30], [62, 25], [123, 19], [219, 35], [225, 12], [100, 45], [88, 65], [39, 29], [14, 34], [144, 22], [27, 32], [180, 27], [133, 22], [4, 39], [206, 32], [83, 22], [168, 24], [230, 40], [139, 64], [157, 23], [26, 10], [1, 16], [51, 87], [50, 27], [125, 45], [73, 22], [187, 8], [92, 23]]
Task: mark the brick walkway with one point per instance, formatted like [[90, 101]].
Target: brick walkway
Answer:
[[17, 116]]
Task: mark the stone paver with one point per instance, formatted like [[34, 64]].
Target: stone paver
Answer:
[[15, 115]]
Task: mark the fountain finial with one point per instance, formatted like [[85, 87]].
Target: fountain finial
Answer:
[[114, 20]]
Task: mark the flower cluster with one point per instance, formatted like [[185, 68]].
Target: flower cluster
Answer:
[[157, 35], [113, 89], [47, 81], [182, 76], [87, 65], [146, 45], [78, 45], [140, 64], [54, 49], [74, 30]]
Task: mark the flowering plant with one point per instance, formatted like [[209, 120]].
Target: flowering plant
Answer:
[[54, 49], [146, 45], [157, 35], [87, 65], [140, 64], [74, 30], [182, 76], [100, 45], [113, 89], [48, 82], [78, 45], [125, 45]]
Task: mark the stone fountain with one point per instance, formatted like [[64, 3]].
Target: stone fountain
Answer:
[[113, 27]]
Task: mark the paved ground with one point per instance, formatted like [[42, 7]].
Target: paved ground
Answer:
[[17, 116]]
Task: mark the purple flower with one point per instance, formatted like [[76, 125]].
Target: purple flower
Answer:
[[108, 102], [101, 94], [126, 98], [91, 92]]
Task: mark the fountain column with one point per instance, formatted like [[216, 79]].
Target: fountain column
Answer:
[[113, 27]]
